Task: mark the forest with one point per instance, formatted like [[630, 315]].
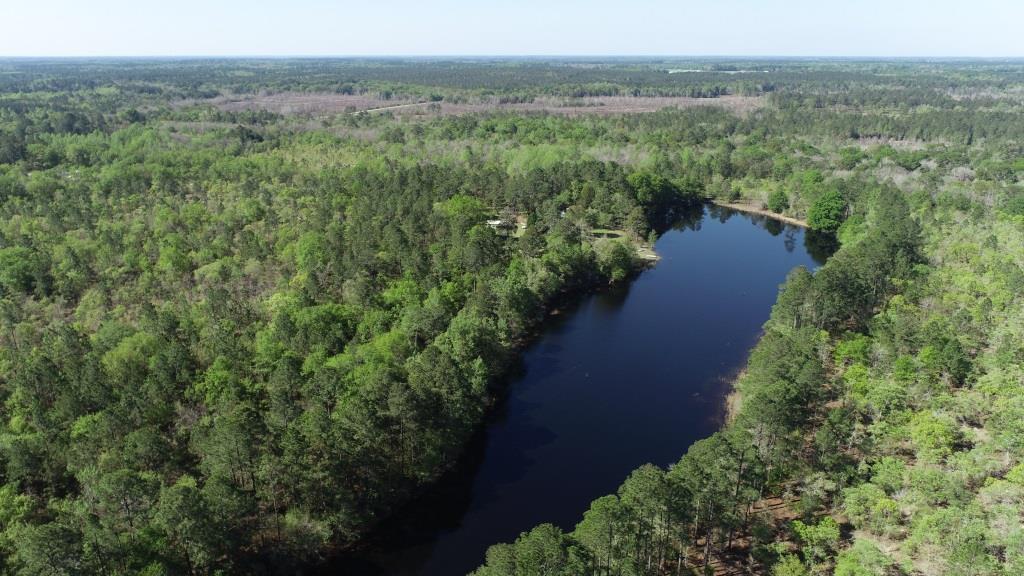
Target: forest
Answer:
[[251, 307]]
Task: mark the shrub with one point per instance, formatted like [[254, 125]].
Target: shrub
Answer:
[[778, 201]]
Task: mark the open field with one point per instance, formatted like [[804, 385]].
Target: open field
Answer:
[[315, 103], [600, 105], [325, 103]]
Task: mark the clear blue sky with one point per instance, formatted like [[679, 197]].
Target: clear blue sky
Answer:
[[510, 27]]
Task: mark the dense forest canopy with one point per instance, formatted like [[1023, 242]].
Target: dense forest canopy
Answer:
[[249, 307]]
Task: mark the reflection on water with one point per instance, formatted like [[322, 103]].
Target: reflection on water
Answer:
[[774, 227], [627, 376], [820, 245]]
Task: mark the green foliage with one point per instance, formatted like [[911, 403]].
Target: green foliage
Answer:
[[853, 348], [864, 559], [789, 565], [21, 270], [868, 506], [543, 551], [889, 474], [827, 212], [616, 260], [933, 436], [782, 385], [961, 534], [778, 201], [850, 157], [192, 534], [818, 541]]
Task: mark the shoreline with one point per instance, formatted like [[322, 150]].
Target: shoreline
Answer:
[[380, 528], [388, 527], [733, 398], [751, 209]]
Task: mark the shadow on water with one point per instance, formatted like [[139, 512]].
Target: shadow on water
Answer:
[[775, 227], [612, 299], [416, 527], [689, 219], [820, 245]]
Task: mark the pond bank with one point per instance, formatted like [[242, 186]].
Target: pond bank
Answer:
[[752, 209]]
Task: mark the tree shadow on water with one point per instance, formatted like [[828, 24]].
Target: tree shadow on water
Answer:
[[407, 542], [820, 245]]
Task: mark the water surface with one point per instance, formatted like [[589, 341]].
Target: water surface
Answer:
[[627, 376]]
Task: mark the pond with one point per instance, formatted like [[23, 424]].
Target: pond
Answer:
[[630, 375]]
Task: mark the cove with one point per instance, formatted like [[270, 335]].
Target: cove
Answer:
[[630, 375]]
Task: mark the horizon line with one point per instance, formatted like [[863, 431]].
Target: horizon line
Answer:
[[502, 56]]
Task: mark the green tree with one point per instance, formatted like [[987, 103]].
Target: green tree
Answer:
[[191, 535], [616, 260], [603, 531], [868, 506], [818, 541], [789, 565], [21, 270], [778, 201], [934, 436], [827, 212], [51, 549], [864, 559], [543, 551]]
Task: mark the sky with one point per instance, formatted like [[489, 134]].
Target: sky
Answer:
[[909, 28]]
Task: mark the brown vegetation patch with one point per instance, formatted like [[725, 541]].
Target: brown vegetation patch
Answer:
[[736, 559], [601, 105], [288, 103], [324, 103]]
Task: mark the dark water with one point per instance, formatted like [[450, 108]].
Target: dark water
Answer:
[[626, 377]]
